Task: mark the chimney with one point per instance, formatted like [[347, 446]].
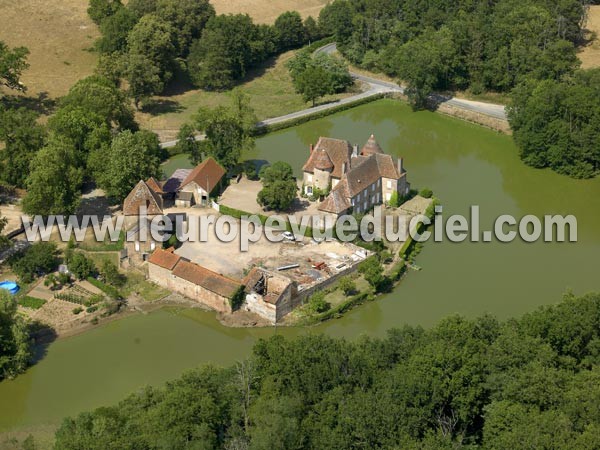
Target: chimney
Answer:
[[355, 150], [400, 166], [312, 147]]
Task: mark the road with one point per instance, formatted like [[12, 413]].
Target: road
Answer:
[[375, 87], [489, 109]]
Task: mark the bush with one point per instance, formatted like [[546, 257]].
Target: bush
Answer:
[[426, 193], [394, 200], [31, 302], [111, 274], [77, 310], [317, 303], [347, 286]]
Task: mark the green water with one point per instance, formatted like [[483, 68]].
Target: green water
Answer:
[[463, 164]]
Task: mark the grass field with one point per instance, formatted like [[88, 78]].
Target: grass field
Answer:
[[57, 34], [590, 54], [270, 89], [266, 11]]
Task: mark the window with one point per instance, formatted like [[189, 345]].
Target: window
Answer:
[[389, 184], [309, 178], [152, 245], [365, 205], [372, 188], [388, 196], [309, 190], [137, 246], [379, 182]]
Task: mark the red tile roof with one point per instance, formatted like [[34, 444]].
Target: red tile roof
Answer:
[[142, 195], [208, 171], [338, 150], [164, 258], [201, 276], [371, 147]]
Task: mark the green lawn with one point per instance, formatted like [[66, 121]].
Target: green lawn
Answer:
[[181, 161], [136, 283]]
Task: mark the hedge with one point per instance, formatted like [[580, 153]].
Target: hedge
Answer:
[[265, 129], [109, 290]]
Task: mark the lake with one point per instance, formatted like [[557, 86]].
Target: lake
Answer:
[[464, 165]]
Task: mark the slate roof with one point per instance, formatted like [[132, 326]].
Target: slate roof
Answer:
[[201, 276], [174, 182], [339, 152], [207, 171]]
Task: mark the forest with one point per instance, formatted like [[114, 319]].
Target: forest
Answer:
[[532, 382]]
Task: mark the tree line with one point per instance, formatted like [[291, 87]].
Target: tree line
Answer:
[[465, 383]]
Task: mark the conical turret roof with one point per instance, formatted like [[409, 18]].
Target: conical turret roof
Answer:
[[371, 147], [322, 160]]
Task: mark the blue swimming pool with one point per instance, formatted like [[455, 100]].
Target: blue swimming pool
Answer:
[[10, 286]]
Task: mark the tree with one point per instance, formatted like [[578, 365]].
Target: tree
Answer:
[[12, 64], [40, 258], [22, 137], [4, 241], [313, 83], [54, 180], [100, 10], [130, 158], [81, 266], [335, 19], [99, 95], [188, 17], [110, 273], [289, 31], [114, 30], [279, 186], [15, 343], [229, 131], [312, 30], [153, 38], [228, 47], [144, 78], [372, 270], [320, 75], [142, 7], [187, 143]]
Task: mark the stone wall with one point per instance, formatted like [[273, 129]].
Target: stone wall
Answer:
[[166, 279]]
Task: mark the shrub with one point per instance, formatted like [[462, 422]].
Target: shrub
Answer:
[[317, 303], [426, 193], [394, 200], [347, 286], [77, 310]]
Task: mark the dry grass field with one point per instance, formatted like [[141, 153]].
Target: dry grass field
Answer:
[[266, 11], [590, 54], [57, 34]]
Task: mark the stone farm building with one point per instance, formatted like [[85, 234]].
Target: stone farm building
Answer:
[[354, 181], [185, 188], [198, 283]]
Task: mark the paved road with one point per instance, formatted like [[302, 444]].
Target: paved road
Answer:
[[375, 87]]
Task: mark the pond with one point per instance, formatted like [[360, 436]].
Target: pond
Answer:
[[464, 165]]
